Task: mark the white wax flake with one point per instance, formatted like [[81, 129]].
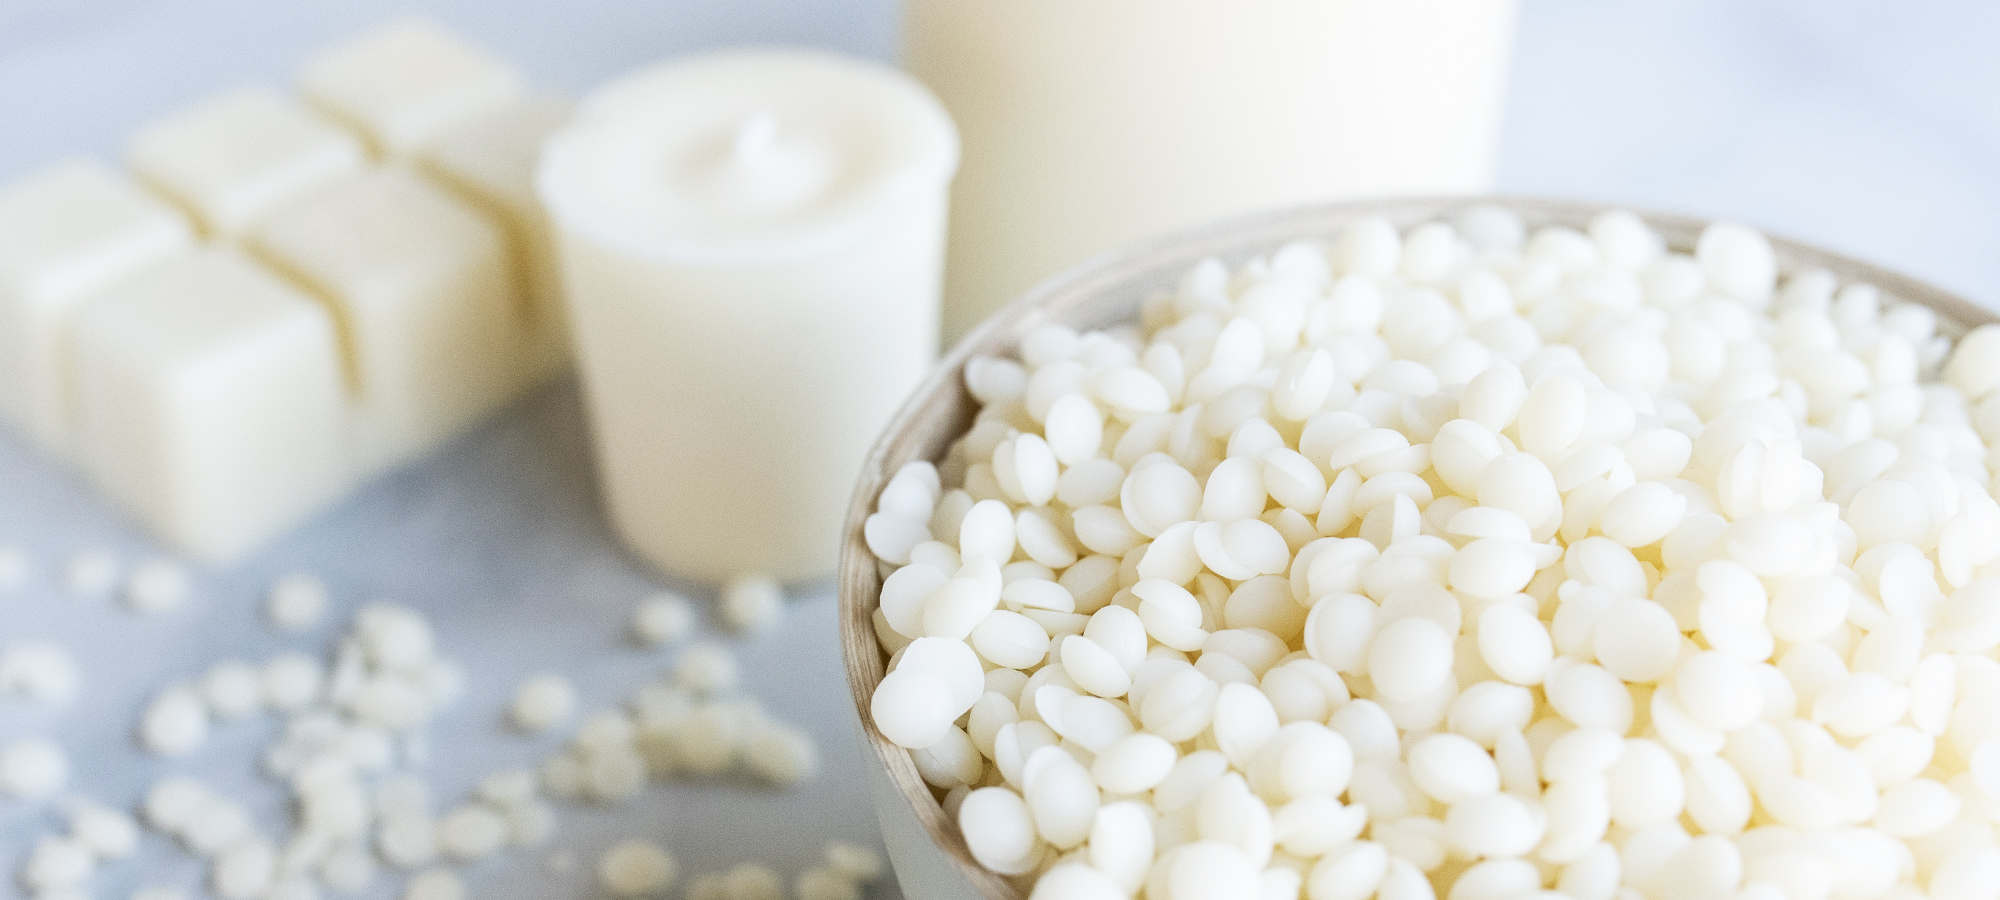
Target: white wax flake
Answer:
[[706, 668], [614, 775], [233, 690], [407, 841], [346, 728], [1465, 560], [780, 754], [707, 742], [512, 787], [111, 834], [157, 586], [562, 776], [750, 881], [56, 864], [350, 869], [244, 870], [403, 795], [14, 568], [394, 637], [172, 803], [390, 702], [855, 862], [216, 825], [825, 883], [90, 572], [471, 833], [291, 681], [296, 603], [662, 618], [684, 725], [39, 671], [530, 824], [752, 603], [174, 723], [542, 703], [711, 886], [434, 884], [337, 808], [441, 681], [635, 868], [32, 768]]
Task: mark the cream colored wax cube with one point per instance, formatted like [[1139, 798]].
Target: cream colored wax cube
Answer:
[[491, 162], [235, 158], [406, 83], [65, 232], [425, 297], [210, 401]]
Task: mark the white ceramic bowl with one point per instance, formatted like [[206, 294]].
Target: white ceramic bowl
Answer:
[[930, 857]]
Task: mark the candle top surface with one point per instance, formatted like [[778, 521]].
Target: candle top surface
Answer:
[[746, 157]]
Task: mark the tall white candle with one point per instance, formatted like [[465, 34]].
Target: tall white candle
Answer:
[[752, 247], [1088, 125]]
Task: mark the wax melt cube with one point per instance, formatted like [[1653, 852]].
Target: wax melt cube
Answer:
[[210, 401], [65, 232], [425, 296], [490, 161], [406, 83], [235, 158]]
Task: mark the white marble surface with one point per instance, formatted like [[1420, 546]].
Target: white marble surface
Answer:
[[1867, 127], [498, 541]]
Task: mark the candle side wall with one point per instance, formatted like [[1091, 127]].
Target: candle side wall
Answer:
[[731, 406], [1087, 126]]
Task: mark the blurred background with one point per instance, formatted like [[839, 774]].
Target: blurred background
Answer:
[[1873, 129]]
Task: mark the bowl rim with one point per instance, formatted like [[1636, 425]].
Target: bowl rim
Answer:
[[943, 394]]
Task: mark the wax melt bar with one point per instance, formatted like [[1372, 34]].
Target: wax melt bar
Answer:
[[235, 158], [407, 83], [490, 161], [210, 401], [391, 203], [422, 289], [65, 232]]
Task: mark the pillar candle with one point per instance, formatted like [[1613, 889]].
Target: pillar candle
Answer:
[[1089, 125], [751, 243]]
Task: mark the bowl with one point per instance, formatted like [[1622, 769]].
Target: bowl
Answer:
[[929, 855]]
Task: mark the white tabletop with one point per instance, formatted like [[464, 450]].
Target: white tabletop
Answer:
[[1870, 128]]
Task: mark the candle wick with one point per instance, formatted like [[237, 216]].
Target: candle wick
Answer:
[[756, 136]]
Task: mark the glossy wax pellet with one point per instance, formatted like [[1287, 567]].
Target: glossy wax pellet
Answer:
[[1473, 562]]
